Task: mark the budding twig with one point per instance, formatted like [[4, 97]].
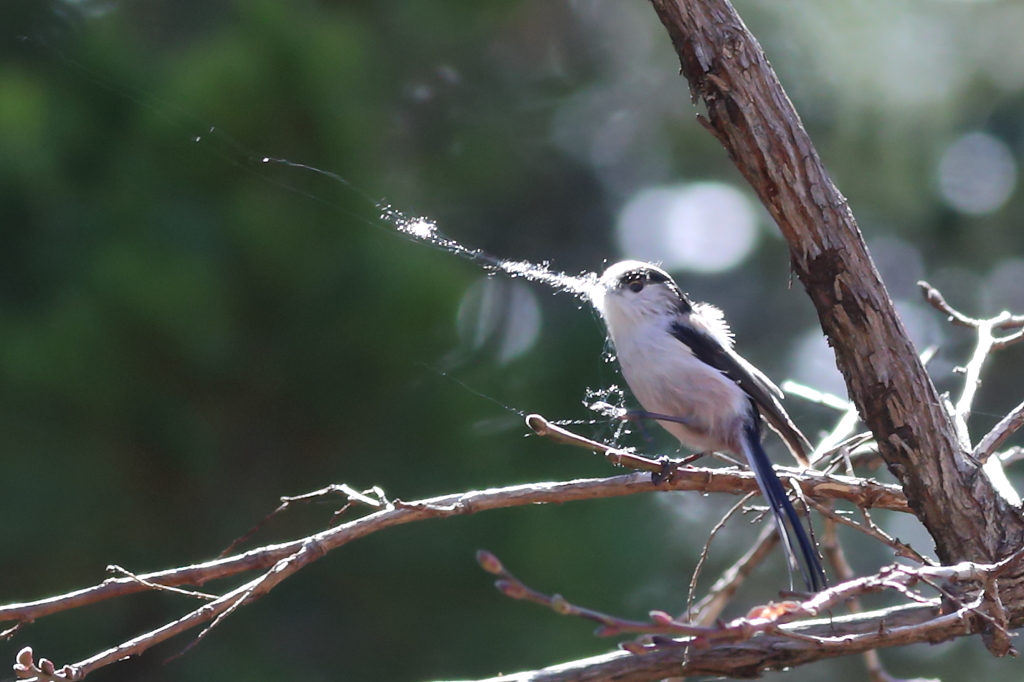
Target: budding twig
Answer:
[[768, 618]]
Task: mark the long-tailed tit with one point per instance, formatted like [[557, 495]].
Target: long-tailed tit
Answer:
[[678, 360]]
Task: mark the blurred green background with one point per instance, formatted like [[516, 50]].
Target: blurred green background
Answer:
[[187, 333]]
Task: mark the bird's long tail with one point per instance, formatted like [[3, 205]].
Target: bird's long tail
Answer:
[[800, 552]]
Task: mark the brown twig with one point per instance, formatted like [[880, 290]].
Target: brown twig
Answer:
[[1006, 427], [512, 587], [113, 568], [618, 456], [707, 610], [813, 483], [1004, 320], [707, 548], [857, 491], [768, 618], [902, 549], [986, 344], [937, 301], [352, 496], [873, 531]]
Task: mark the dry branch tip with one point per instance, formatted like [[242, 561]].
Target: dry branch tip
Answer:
[[489, 562], [27, 669]]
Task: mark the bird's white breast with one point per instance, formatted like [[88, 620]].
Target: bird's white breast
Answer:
[[668, 379]]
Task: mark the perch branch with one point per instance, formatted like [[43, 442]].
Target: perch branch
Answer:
[[858, 491], [861, 492]]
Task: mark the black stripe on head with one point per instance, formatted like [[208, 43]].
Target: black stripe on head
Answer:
[[658, 276], [637, 278]]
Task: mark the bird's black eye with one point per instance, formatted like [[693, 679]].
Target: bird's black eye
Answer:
[[636, 286]]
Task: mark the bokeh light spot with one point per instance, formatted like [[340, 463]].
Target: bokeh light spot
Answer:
[[501, 313], [1004, 290], [703, 227], [813, 363], [977, 174], [899, 263]]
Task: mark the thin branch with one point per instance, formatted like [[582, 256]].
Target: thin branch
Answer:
[[707, 610], [781, 641], [847, 488], [902, 548], [987, 343], [352, 497], [1014, 454], [619, 457], [514, 588], [1006, 427], [1008, 340], [707, 548], [873, 531], [937, 301], [858, 491], [972, 371], [815, 396], [113, 568]]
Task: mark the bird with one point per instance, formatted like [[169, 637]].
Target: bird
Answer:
[[677, 358]]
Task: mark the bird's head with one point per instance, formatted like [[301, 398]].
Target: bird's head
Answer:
[[632, 293]]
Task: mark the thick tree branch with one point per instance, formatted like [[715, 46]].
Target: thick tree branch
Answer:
[[750, 114]]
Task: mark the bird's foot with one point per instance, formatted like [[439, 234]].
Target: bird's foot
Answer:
[[670, 466]]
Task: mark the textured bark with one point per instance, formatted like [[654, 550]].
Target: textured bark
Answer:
[[750, 114]]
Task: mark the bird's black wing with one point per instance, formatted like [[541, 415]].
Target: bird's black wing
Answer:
[[765, 394]]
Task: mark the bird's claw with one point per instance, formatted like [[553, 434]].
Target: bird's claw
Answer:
[[668, 467]]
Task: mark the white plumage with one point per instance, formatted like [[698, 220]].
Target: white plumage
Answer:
[[678, 360]]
